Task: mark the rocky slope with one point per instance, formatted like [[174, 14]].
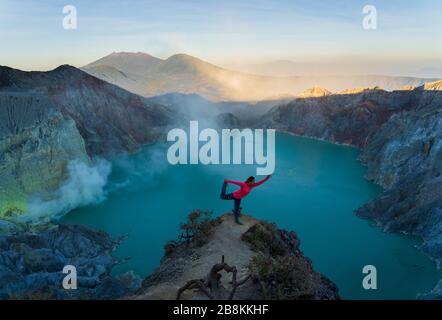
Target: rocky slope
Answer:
[[31, 264], [342, 118], [405, 157], [108, 117], [401, 138], [267, 259], [36, 145]]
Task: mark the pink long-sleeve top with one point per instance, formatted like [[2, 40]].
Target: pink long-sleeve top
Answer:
[[245, 188]]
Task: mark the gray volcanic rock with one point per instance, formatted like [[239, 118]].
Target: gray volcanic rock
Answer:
[[343, 118], [435, 294], [31, 265], [109, 118], [406, 158], [36, 144], [407, 144]]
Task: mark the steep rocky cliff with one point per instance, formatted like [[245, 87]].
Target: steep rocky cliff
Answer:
[[36, 144], [343, 118], [266, 263], [405, 157]]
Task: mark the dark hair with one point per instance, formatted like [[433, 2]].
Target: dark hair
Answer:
[[250, 179]]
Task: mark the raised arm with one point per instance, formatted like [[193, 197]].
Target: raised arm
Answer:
[[261, 182], [238, 183]]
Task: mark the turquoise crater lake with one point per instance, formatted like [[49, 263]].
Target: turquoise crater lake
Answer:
[[314, 191]]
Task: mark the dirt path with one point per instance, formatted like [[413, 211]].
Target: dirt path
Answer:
[[226, 240]]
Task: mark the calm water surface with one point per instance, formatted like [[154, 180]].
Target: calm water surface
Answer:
[[314, 191]]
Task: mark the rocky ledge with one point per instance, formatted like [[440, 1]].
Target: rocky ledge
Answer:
[[223, 260], [31, 264]]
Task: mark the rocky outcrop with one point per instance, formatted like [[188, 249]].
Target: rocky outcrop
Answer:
[[36, 144], [31, 265], [267, 262]]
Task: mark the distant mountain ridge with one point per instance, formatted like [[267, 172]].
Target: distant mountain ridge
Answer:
[[149, 76]]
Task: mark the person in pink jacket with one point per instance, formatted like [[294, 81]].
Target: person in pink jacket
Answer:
[[244, 190]]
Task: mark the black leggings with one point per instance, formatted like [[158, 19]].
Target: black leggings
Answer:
[[230, 196]]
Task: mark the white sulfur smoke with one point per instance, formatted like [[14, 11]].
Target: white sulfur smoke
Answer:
[[139, 169], [85, 185]]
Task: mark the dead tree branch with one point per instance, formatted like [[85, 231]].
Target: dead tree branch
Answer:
[[211, 285]]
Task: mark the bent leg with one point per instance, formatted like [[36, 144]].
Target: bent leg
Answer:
[[223, 192]]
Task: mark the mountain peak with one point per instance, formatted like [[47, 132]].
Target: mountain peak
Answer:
[[64, 67], [127, 62], [185, 58], [129, 54], [182, 56]]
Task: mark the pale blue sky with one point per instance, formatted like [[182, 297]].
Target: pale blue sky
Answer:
[[407, 41]]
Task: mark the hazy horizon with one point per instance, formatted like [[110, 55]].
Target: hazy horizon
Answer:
[[278, 38]]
